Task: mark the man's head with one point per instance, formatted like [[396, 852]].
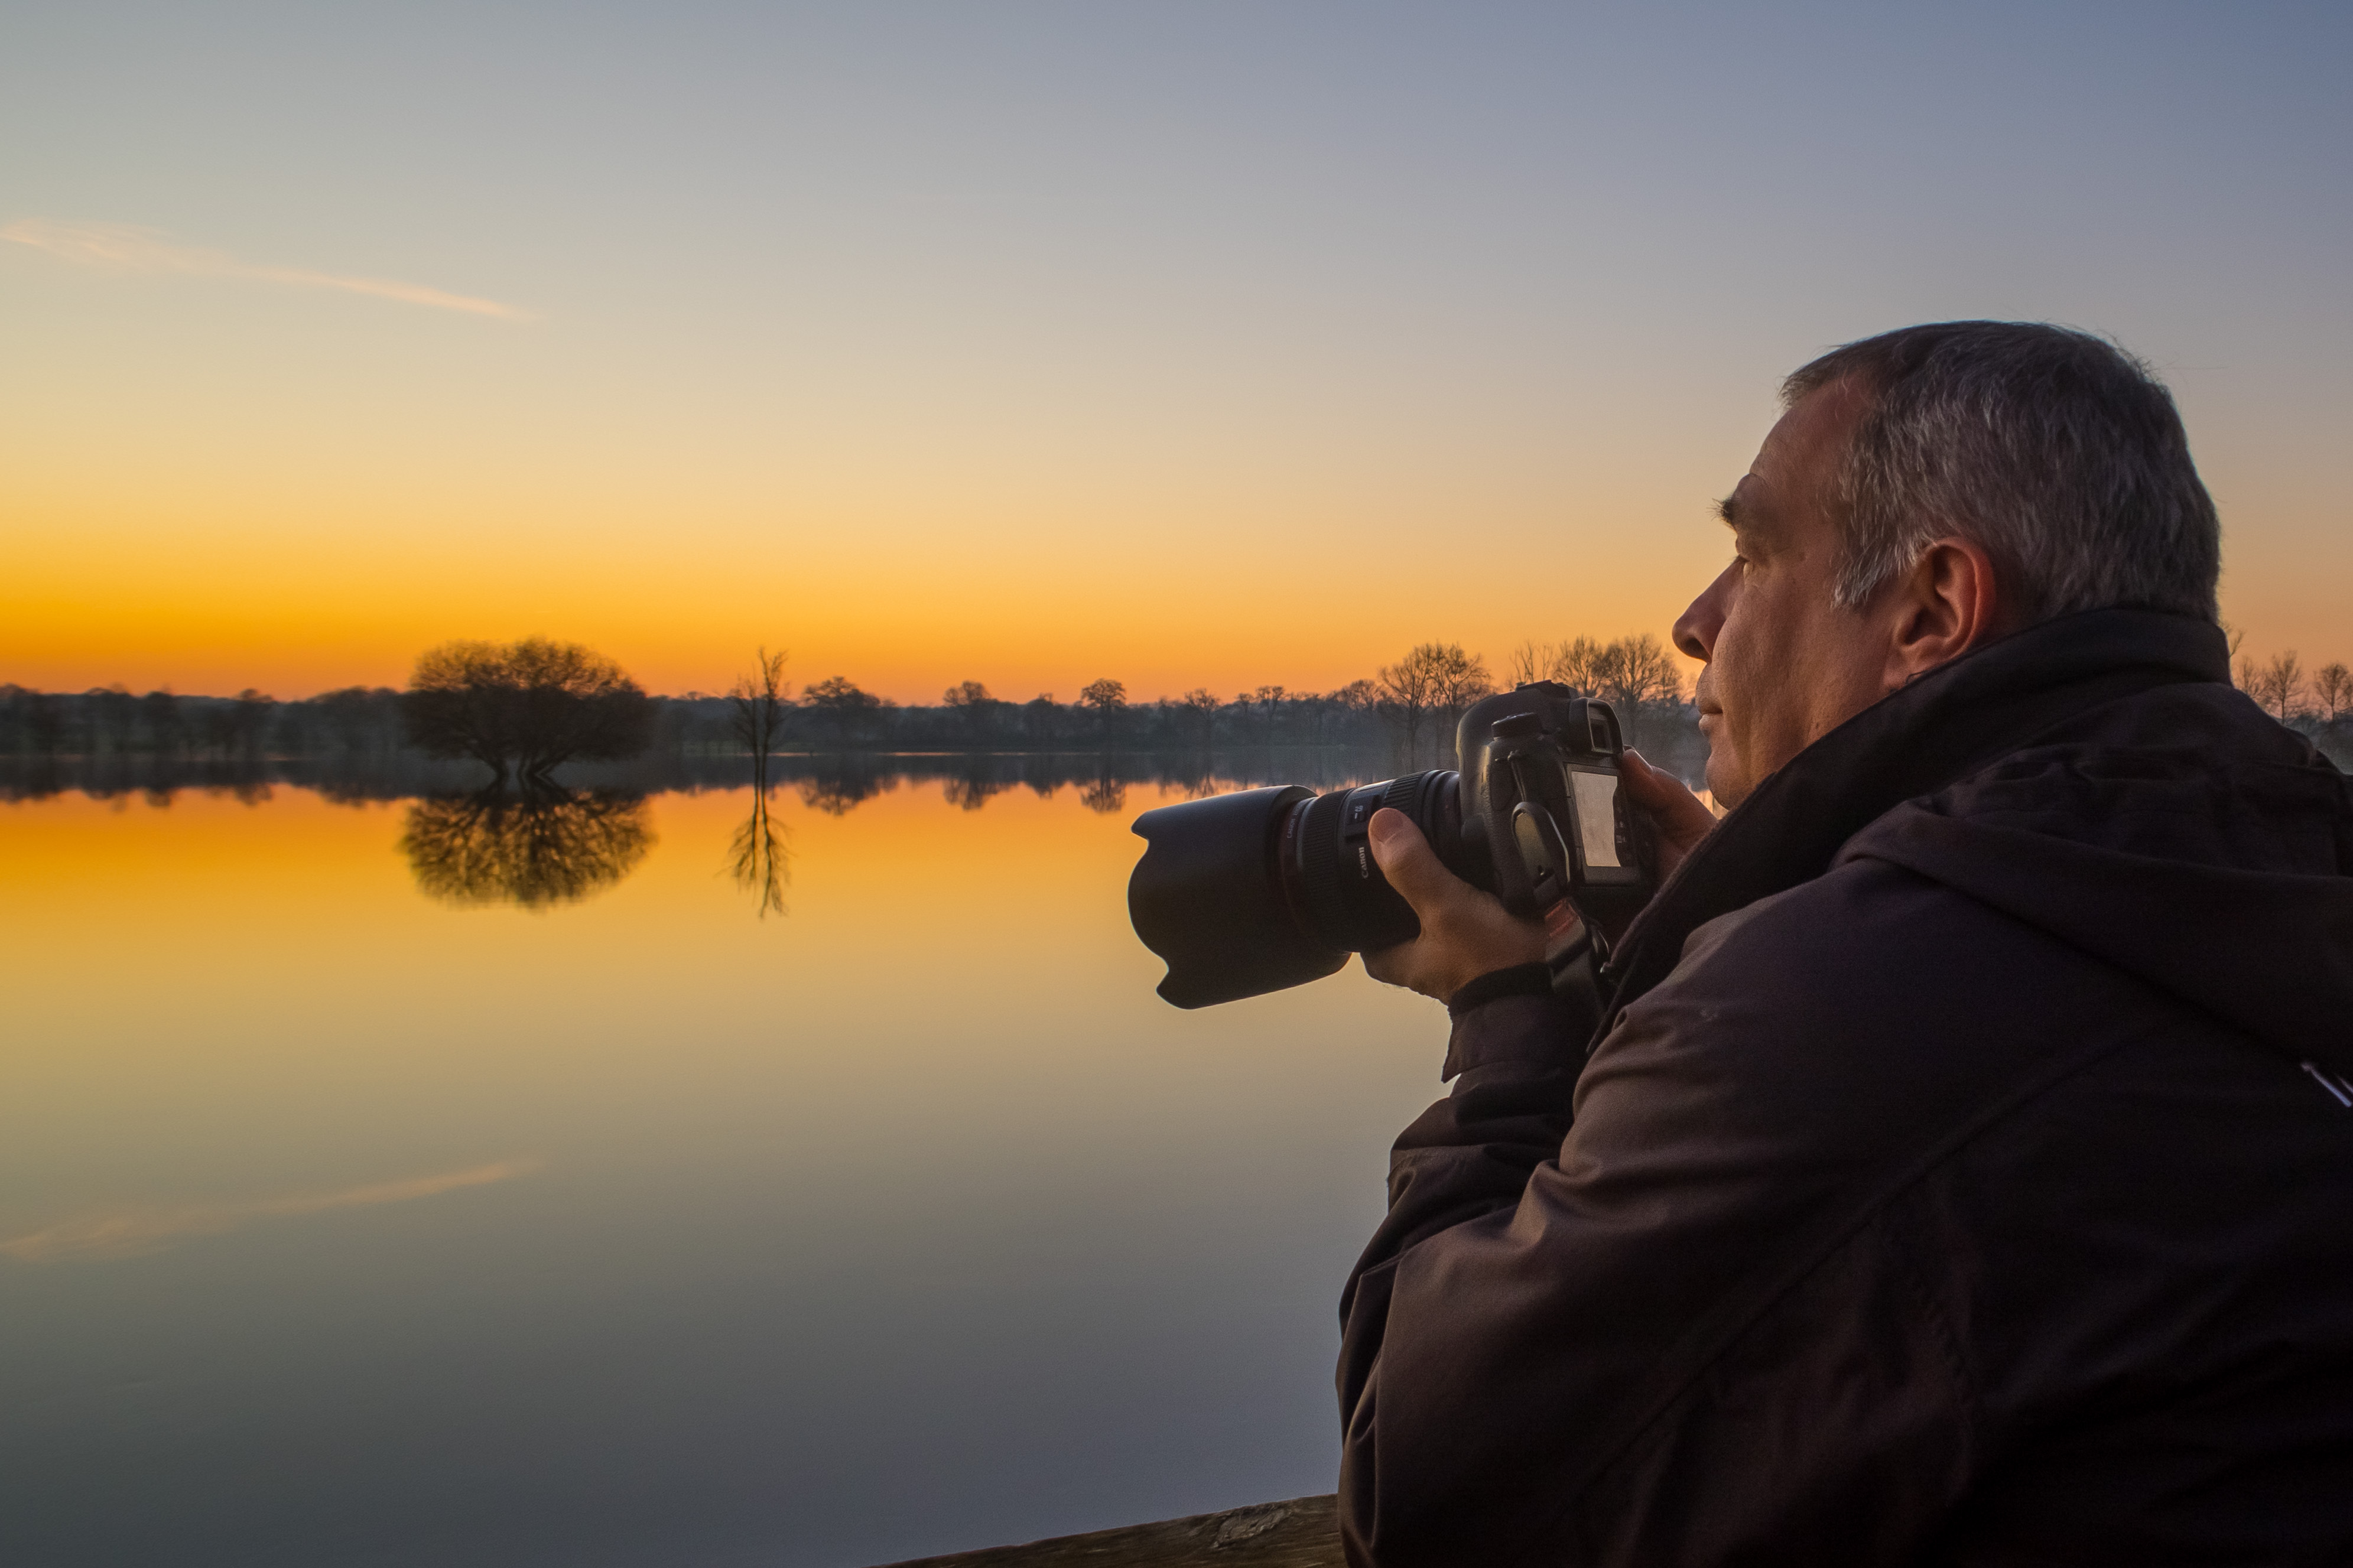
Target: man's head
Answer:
[[1926, 491]]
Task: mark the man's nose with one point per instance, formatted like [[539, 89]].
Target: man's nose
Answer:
[[1695, 629]]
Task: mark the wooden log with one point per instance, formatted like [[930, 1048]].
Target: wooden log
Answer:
[[1304, 1532]]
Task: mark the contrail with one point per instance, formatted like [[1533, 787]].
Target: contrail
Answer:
[[122, 248], [128, 1233]]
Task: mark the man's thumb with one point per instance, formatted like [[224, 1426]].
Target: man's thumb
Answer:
[[1405, 856]]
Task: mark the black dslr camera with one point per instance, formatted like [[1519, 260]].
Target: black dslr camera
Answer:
[[1251, 892]]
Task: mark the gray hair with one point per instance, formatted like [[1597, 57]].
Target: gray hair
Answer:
[[2058, 453]]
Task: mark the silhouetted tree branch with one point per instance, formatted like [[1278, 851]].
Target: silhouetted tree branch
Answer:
[[757, 858], [759, 703], [525, 707], [847, 710], [541, 846]]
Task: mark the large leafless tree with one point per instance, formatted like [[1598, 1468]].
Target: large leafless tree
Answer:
[[1432, 684], [759, 703], [524, 708], [2332, 692], [1637, 676], [2279, 685]]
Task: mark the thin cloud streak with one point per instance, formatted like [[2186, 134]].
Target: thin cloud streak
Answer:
[[130, 1233], [124, 248]]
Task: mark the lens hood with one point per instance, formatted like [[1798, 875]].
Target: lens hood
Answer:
[[1206, 898]]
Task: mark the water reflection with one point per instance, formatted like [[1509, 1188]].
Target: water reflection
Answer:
[[834, 783], [757, 858], [971, 786], [536, 848], [838, 786], [837, 1244]]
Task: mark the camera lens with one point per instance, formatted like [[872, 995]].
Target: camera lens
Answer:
[[1208, 897], [1266, 888], [1247, 893]]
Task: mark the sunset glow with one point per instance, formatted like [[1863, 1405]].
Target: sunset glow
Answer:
[[979, 353]]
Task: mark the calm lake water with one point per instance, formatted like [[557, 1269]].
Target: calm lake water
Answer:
[[354, 1213]]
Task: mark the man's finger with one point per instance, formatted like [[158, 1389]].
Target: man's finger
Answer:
[[1666, 797], [1406, 858]]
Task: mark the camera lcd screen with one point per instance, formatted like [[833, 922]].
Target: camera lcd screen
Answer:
[[1597, 816]]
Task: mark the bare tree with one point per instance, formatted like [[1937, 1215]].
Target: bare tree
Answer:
[[1041, 719], [525, 707], [1579, 663], [2279, 685], [854, 714], [758, 702], [970, 701], [118, 717], [1201, 706], [1462, 681], [1268, 699], [1109, 699], [1318, 706], [2332, 688], [1431, 680], [165, 730], [249, 722], [1408, 690], [1637, 676]]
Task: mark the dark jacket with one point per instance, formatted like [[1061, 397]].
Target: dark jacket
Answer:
[[1964, 1173]]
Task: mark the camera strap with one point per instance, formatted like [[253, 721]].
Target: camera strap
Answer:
[[1571, 959]]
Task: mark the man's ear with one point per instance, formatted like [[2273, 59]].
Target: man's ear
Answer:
[[1947, 604]]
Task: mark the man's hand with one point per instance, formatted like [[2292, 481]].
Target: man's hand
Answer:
[[1465, 932], [1678, 820]]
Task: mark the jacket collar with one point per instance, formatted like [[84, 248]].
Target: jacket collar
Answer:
[[1941, 728]]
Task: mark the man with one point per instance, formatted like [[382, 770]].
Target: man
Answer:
[[1963, 1170]]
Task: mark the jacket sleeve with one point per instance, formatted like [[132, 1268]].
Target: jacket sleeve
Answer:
[[1511, 1058], [1677, 1327]]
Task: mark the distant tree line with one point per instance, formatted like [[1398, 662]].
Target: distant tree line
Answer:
[[358, 723], [522, 709], [2314, 700], [1410, 706]]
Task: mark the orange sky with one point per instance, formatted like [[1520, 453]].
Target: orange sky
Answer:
[[981, 352]]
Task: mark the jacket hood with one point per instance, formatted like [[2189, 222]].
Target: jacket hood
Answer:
[[2096, 777], [2181, 835]]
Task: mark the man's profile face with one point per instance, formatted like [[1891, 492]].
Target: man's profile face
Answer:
[[1785, 664]]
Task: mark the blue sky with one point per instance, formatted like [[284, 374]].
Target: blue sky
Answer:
[[960, 322]]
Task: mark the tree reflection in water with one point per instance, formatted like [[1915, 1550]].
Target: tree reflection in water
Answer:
[[970, 789], [536, 848], [840, 784], [758, 858]]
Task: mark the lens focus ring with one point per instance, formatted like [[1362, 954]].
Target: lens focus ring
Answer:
[[1320, 864]]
